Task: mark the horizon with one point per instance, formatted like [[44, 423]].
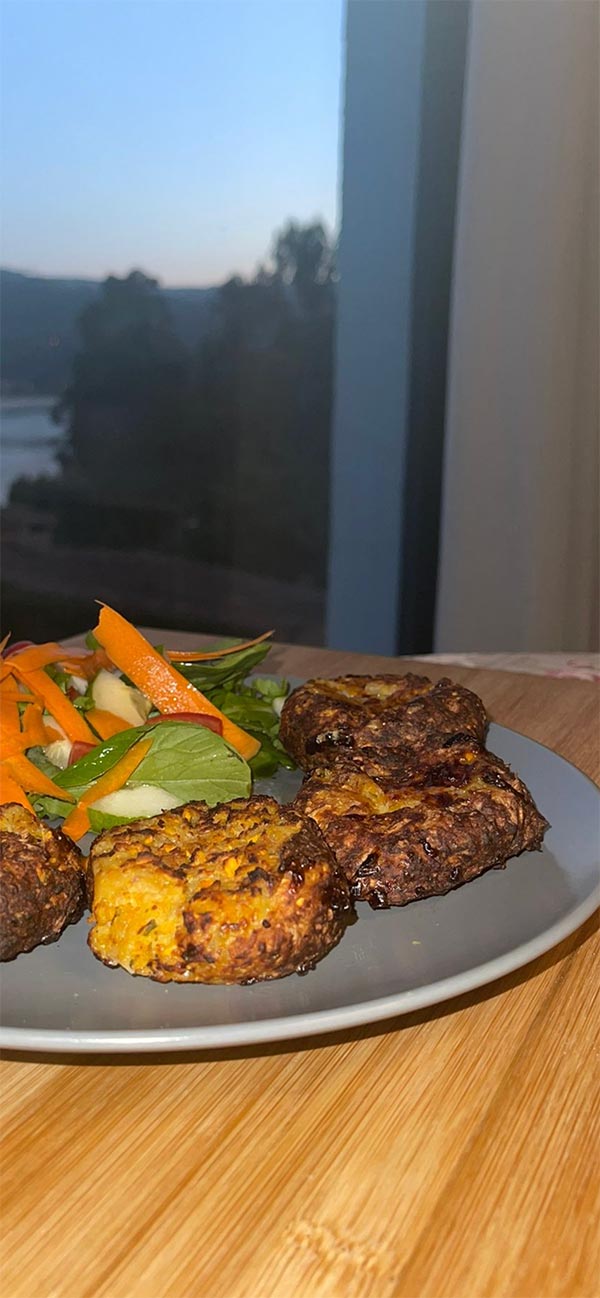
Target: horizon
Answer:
[[222, 123], [95, 279], [166, 287]]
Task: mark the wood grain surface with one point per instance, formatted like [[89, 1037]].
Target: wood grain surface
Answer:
[[447, 1154]]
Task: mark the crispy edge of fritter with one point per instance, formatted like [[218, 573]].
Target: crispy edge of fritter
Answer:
[[446, 714], [43, 882], [326, 718], [421, 839], [220, 935]]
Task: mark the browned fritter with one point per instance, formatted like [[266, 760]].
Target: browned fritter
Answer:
[[237, 893], [43, 882], [404, 831], [326, 719]]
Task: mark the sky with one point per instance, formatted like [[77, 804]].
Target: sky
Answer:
[[175, 136]]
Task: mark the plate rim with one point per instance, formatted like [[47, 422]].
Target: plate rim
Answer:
[[316, 1022]]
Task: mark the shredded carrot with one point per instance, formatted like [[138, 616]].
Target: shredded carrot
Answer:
[[166, 688], [73, 666], [180, 656], [19, 732], [34, 730], [10, 791], [12, 692], [106, 724], [10, 724], [41, 655], [77, 662], [12, 746], [9, 710], [52, 735], [34, 781], [4, 642], [57, 704], [90, 665], [77, 822], [13, 739]]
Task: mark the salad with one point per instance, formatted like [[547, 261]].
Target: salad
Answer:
[[126, 729]]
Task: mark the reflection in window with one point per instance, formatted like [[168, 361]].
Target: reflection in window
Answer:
[[167, 449]]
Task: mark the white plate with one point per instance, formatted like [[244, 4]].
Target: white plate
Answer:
[[390, 962]]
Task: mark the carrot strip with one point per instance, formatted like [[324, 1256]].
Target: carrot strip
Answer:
[[12, 692], [11, 735], [34, 781], [12, 746], [106, 724], [4, 642], [77, 822], [180, 656], [52, 735], [118, 774], [90, 665], [10, 791], [57, 704], [75, 662], [34, 730], [41, 655], [72, 666], [9, 711], [166, 688]]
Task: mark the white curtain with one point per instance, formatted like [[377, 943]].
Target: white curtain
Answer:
[[519, 537]]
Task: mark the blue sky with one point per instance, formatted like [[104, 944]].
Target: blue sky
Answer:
[[171, 135]]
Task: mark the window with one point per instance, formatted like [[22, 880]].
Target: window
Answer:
[[168, 303]]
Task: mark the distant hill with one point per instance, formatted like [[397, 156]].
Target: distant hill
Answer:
[[38, 327]]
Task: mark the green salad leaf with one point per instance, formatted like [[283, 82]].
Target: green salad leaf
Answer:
[[83, 702], [81, 774], [252, 706], [252, 702], [269, 688], [187, 760], [193, 763], [218, 672]]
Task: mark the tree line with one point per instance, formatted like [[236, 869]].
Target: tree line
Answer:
[[218, 451]]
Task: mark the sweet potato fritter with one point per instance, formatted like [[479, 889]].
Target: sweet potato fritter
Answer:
[[413, 829], [237, 893], [325, 719], [43, 882]]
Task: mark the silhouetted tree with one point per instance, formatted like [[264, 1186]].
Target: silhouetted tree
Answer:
[[263, 399], [126, 401], [304, 255], [233, 442]]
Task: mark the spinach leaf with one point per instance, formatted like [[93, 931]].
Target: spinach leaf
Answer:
[[189, 761], [193, 763], [217, 672], [256, 714]]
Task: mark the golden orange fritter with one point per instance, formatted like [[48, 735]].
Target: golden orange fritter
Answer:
[[237, 893], [407, 830], [43, 882], [326, 719]]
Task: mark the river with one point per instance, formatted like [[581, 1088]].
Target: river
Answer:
[[28, 440]]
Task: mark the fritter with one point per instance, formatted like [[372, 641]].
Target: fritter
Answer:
[[237, 893], [43, 882], [406, 831], [326, 719]]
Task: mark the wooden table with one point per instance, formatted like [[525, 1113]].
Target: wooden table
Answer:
[[448, 1154]]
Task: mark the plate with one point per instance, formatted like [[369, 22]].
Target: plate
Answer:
[[389, 963]]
